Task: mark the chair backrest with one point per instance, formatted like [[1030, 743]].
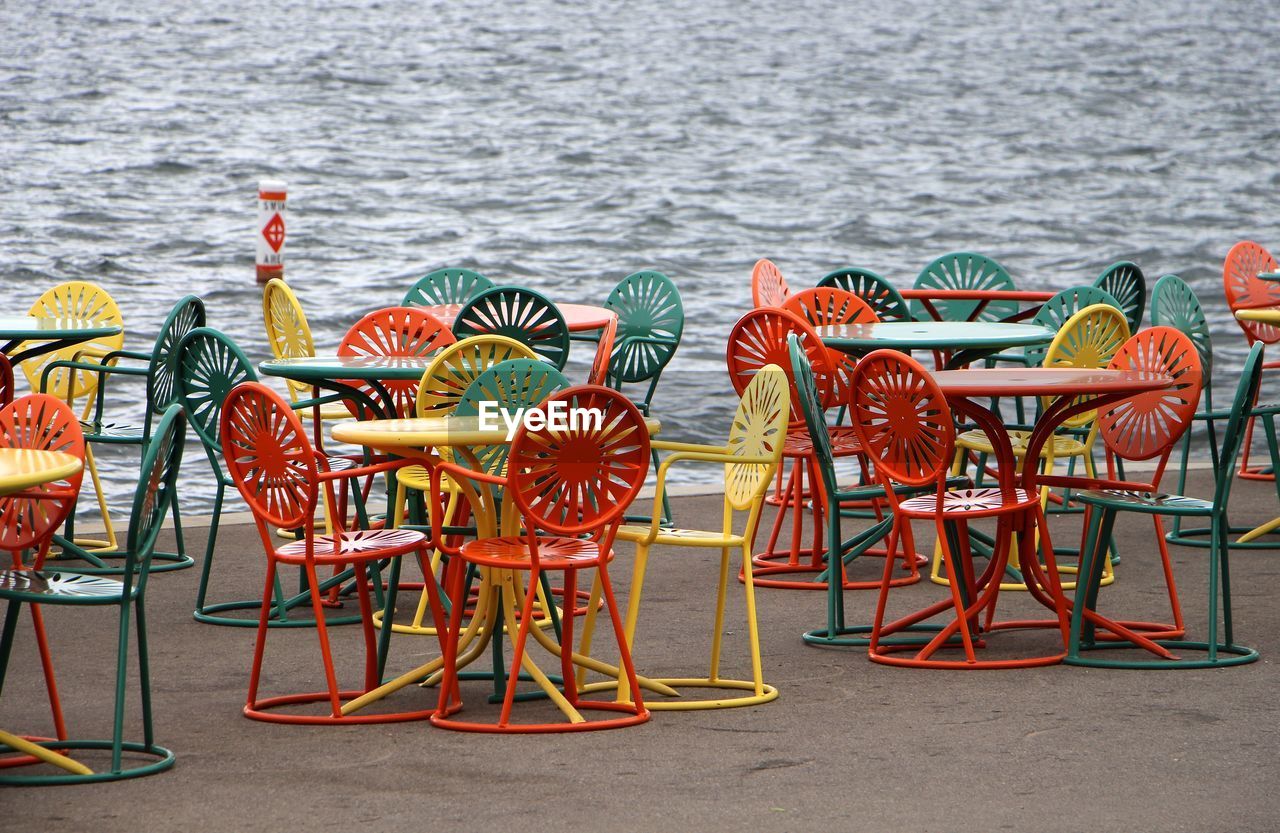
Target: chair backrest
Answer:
[[269, 458], [1056, 311], [965, 270], [186, 315], [453, 370], [580, 478], [44, 422], [902, 419], [1124, 281], [6, 380], [288, 334], [1088, 339], [208, 365], [1233, 437], [876, 290], [511, 386], [79, 300], [519, 313], [393, 331], [759, 429], [446, 286], [1174, 304], [156, 490], [650, 323], [768, 287], [759, 339], [825, 305], [599, 374], [1150, 424], [1244, 288]]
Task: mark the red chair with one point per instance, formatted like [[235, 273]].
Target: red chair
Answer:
[[904, 422], [394, 331], [768, 287], [759, 339], [604, 351], [1245, 290], [824, 306], [29, 518], [571, 488], [6, 380], [279, 474]]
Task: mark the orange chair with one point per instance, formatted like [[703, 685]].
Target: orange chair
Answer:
[[394, 331], [280, 476], [1245, 290], [768, 287]]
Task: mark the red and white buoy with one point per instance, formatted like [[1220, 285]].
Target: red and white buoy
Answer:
[[271, 201]]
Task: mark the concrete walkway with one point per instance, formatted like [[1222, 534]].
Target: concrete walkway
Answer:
[[848, 746]]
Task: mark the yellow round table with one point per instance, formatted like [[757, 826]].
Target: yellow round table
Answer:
[[416, 438], [22, 468]]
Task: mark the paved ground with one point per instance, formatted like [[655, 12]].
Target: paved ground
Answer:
[[848, 746]]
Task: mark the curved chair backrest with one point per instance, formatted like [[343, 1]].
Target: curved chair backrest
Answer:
[[393, 331], [511, 386], [1244, 288], [39, 421], [269, 458], [759, 339], [519, 313], [1150, 424], [965, 270], [825, 305], [446, 286], [288, 334], [768, 287], [1174, 304], [876, 290], [453, 370], [599, 374], [1125, 282], [186, 315], [80, 300], [759, 430], [209, 365], [814, 416], [156, 490], [6, 380], [1056, 311], [1233, 438], [580, 480], [650, 323], [1088, 339], [902, 420]]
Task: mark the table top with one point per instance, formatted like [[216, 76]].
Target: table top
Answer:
[[1269, 276], [935, 335], [1047, 381], [368, 368], [577, 317], [40, 328], [421, 432], [1030, 295], [22, 468]]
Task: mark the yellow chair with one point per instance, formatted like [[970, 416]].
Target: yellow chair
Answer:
[[750, 458], [443, 383], [90, 302], [1088, 339], [290, 338]]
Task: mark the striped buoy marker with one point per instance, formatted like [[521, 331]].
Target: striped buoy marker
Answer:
[[271, 201]]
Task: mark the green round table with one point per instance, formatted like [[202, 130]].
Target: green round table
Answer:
[[38, 335], [340, 373], [962, 341]]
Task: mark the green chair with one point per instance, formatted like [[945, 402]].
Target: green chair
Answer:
[[880, 295], [965, 270], [1106, 504], [208, 365], [155, 493], [518, 313], [1124, 281], [446, 286], [187, 314]]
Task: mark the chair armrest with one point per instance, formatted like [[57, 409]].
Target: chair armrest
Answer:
[[693, 453], [1076, 482]]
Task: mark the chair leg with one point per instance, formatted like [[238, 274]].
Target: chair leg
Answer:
[[322, 632], [6, 640], [522, 636], [144, 674], [388, 612], [624, 653], [202, 588], [753, 630], [371, 669], [260, 642], [717, 627], [50, 683], [122, 659]]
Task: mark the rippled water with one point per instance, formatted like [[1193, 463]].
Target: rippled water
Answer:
[[564, 145]]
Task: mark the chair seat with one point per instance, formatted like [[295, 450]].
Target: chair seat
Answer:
[[339, 463], [554, 553], [52, 587], [680, 537], [844, 443], [356, 545], [1063, 446], [988, 501], [1153, 503], [112, 432]]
